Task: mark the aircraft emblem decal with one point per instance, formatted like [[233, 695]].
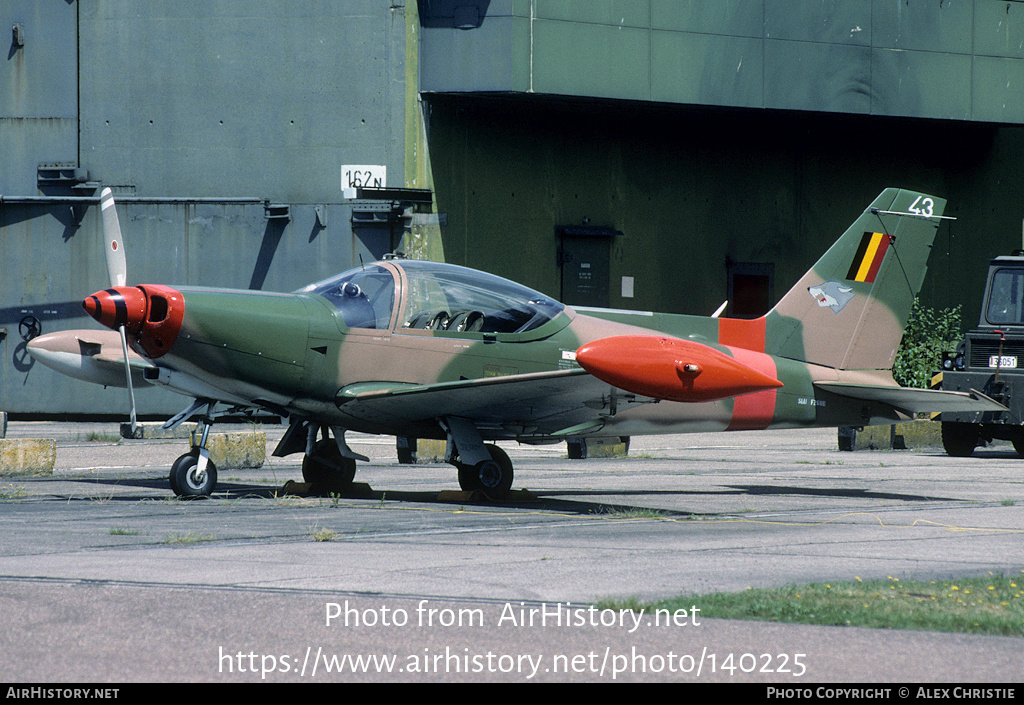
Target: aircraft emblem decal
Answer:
[[868, 259], [831, 294]]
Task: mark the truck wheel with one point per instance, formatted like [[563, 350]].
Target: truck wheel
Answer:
[[1018, 445], [959, 439]]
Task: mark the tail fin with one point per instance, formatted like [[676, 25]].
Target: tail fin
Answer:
[[849, 311]]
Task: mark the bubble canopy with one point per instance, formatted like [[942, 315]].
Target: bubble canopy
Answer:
[[434, 296]]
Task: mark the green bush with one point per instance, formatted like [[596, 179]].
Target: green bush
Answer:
[[928, 334]]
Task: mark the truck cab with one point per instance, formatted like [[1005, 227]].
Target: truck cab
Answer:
[[990, 359]]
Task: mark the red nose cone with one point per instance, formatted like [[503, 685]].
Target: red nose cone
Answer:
[[119, 306], [670, 368], [151, 315]]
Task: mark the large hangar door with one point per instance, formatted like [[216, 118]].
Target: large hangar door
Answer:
[[584, 256]]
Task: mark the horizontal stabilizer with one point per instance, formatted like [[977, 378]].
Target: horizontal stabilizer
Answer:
[[914, 401]]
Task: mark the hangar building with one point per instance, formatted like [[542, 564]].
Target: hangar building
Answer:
[[686, 153]]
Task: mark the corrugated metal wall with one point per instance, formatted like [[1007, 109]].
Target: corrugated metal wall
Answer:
[[38, 91]]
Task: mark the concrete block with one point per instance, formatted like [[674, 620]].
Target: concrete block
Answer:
[[238, 449], [430, 450], [581, 448], [234, 449], [27, 456], [153, 430], [920, 433], [405, 448]]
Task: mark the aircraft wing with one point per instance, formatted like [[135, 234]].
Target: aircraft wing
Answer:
[[556, 403], [913, 401]]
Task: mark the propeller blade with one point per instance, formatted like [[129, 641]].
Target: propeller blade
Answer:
[[117, 270], [117, 267], [131, 389]]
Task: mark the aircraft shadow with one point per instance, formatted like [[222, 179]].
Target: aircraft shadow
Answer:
[[564, 501], [837, 493]]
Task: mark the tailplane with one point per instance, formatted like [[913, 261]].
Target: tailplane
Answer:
[[849, 311]]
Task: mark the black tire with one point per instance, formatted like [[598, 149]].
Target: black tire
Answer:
[[1018, 445], [327, 469], [491, 477], [959, 439], [184, 480]]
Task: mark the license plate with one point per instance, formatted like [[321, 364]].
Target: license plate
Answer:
[[1004, 361]]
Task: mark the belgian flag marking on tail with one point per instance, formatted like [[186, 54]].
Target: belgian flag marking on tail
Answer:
[[868, 259]]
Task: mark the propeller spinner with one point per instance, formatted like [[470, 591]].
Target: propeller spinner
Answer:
[[151, 314]]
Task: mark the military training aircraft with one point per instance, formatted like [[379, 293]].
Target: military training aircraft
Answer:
[[431, 350]]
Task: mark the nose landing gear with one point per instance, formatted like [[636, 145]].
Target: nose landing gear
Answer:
[[193, 474]]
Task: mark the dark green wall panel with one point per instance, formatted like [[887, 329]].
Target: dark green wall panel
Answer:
[[999, 89], [740, 18], [576, 58], [692, 189], [910, 58], [730, 69], [999, 28], [813, 76], [922, 83], [819, 21], [921, 25]]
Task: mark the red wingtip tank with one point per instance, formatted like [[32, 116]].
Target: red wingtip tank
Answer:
[[670, 368]]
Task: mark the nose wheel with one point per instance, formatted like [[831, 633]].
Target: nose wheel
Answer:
[[193, 474], [189, 479]]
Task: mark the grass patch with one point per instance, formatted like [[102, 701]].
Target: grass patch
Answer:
[[12, 492], [319, 533], [99, 437], [122, 531], [190, 537], [631, 513], [992, 605]]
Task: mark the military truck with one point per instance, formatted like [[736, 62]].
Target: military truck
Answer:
[[990, 359]]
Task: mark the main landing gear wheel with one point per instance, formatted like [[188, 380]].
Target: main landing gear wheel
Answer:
[[187, 481], [491, 477], [1018, 445], [327, 469], [959, 439]]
